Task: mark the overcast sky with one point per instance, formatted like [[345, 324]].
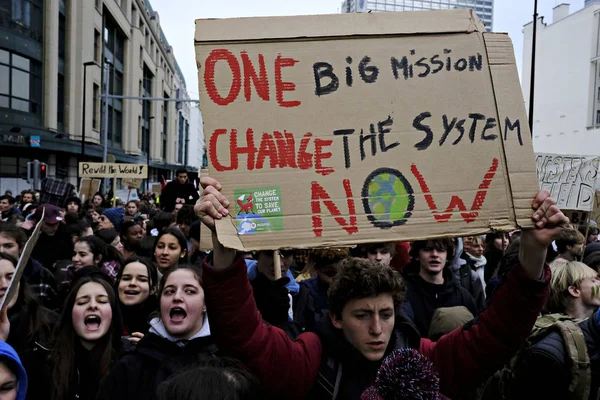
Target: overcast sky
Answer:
[[177, 20]]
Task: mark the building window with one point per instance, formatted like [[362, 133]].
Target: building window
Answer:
[[165, 128], [140, 133], [181, 138], [20, 83], [114, 50], [96, 107], [97, 46], [60, 100], [62, 36], [598, 117], [23, 16], [146, 109]]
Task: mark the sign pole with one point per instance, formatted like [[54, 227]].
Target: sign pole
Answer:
[[114, 199]]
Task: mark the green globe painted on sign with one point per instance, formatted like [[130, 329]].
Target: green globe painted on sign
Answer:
[[387, 198]]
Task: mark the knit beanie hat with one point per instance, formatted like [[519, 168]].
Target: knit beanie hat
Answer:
[[115, 215], [405, 374]]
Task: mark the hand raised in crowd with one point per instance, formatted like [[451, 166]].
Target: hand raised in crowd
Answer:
[[211, 205], [549, 222], [4, 324], [135, 337]]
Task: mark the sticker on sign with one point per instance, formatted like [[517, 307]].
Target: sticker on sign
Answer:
[[370, 127]]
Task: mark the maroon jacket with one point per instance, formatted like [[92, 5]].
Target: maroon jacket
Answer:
[[463, 357]]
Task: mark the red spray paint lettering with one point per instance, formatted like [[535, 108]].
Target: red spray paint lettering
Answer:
[[259, 80], [456, 201], [318, 194], [279, 148]]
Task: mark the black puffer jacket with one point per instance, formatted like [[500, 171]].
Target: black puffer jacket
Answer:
[[425, 297], [545, 370], [33, 350], [138, 374]]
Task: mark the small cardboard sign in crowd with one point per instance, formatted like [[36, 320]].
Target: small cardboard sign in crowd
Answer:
[[13, 285], [342, 129]]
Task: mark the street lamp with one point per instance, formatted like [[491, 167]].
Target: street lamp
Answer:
[[532, 82], [85, 65]]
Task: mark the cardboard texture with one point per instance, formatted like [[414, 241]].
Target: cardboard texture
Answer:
[[23, 259], [595, 214], [157, 188], [334, 130], [112, 170], [88, 188], [571, 180], [134, 183], [577, 217], [127, 194]]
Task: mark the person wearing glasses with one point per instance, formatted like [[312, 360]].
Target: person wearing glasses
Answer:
[[282, 302]]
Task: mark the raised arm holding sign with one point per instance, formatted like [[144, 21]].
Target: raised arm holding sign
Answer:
[[348, 129]]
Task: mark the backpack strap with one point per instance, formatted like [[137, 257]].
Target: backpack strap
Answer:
[[579, 387]]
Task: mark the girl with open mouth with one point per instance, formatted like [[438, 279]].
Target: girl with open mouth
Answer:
[[86, 340], [178, 339], [136, 287], [170, 249]]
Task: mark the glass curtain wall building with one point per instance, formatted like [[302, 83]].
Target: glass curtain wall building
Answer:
[[483, 8]]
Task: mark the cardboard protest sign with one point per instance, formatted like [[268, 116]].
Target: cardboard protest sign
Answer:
[[23, 259], [109, 170], [127, 194], [156, 188], [132, 183], [595, 214], [88, 187], [352, 128], [577, 217], [571, 180]]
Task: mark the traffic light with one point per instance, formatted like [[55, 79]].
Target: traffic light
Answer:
[[43, 170], [36, 171]]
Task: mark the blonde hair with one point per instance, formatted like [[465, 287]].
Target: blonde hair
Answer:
[[565, 275], [478, 240]]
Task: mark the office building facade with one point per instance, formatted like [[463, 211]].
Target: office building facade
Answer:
[[483, 8], [57, 57], [566, 117]]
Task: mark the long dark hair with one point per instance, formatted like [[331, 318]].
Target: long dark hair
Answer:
[[14, 232], [152, 272], [213, 380], [65, 340], [38, 324], [108, 236], [136, 318], [180, 239], [97, 247]]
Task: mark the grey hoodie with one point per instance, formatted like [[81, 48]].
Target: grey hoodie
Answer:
[[157, 327]]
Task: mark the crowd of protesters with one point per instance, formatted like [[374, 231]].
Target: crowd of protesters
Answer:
[[124, 303]]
